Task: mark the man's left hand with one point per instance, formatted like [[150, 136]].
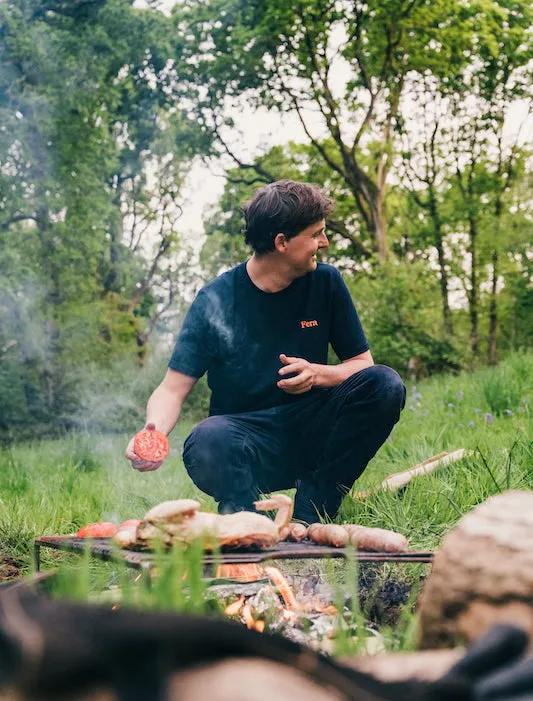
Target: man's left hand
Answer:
[[304, 379]]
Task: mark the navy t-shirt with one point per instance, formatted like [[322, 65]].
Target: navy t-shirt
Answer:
[[235, 332]]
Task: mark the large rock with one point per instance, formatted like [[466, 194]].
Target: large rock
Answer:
[[482, 574]]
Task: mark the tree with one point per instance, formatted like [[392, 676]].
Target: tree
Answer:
[[342, 64], [88, 122]]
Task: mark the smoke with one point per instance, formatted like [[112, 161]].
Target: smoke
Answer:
[[23, 331], [217, 319]]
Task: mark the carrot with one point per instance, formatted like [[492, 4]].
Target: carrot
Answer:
[[151, 445], [102, 529]]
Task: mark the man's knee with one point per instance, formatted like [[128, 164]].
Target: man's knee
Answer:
[[388, 386], [219, 461], [381, 385], [203, 446]]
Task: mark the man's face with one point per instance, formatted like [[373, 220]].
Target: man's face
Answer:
[[302, 249]]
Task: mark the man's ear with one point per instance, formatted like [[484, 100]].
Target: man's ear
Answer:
[[280, 242]]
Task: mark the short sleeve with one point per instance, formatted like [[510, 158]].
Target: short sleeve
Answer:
[[347, 337], [192, 354]]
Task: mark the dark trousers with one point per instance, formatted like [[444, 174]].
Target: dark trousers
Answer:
[[320, 443]]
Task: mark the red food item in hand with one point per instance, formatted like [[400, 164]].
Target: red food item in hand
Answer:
[[102, 529], [151, 445]]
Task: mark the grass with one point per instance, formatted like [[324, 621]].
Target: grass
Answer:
[[54, 487], [444, 414]]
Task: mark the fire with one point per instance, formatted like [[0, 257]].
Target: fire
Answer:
[[292, 606], [329, 610], [246, 613], [240, 573], [234, 608], [284, 588], [250, 621]]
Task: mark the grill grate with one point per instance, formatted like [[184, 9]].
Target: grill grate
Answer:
[[103, 549]]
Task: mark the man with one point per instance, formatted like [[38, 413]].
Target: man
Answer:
[[280, 416]]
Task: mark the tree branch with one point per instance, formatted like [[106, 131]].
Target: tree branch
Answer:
[[340, 228], [18, 217]]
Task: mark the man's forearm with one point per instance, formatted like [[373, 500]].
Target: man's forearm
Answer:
[[333, 375], [163, 409]]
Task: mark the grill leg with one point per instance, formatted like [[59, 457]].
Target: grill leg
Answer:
[[37, 557]]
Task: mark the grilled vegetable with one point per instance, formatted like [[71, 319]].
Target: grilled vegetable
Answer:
[[151, 445], [102, 529]]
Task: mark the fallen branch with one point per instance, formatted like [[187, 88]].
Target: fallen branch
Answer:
[[398, 480]]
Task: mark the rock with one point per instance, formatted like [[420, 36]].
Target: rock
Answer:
[[266, 605], [482, 574]]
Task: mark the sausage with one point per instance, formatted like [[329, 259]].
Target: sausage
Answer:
[[296, 532], [328, 534], [378, 539]]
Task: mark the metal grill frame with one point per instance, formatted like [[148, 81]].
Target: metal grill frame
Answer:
[[103, 549]]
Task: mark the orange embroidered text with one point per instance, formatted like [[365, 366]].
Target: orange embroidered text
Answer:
[[306, 324]]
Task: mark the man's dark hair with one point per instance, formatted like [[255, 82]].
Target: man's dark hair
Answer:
[[285, 207]]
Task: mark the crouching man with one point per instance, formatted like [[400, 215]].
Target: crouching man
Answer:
[[280, 416]]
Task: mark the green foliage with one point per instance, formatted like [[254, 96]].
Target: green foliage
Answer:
[[86, 240], [399, 308], [504, 390]]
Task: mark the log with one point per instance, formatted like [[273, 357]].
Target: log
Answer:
[[398, 480]]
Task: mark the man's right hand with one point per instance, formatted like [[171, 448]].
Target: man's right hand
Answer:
[[138, 463]]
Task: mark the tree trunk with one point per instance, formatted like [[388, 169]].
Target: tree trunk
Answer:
[[437, 237], [112, 283], [473, 296], [380, 228], [493, 311]]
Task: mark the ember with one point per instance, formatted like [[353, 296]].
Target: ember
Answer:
[[276, 607], [283, 587], [240, 573]]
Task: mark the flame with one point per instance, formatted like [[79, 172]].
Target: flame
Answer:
[[284, 588], [235, 607], [329, 609], [250, 621], [240, 573], [292, 606]]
